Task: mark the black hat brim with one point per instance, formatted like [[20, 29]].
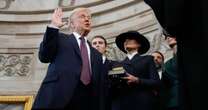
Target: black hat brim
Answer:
[[120, 39]]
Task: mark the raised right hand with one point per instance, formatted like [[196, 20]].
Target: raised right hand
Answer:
[[57, 18]]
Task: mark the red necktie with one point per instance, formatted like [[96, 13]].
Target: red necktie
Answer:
[[85, 72]]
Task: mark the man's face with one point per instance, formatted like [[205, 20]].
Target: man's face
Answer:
[[131, 45], [158, 59], [171, 41], [99, 44], [81, 21]]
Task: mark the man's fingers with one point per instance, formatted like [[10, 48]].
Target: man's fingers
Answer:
[[55, 11], [60, 9], [60, 13]]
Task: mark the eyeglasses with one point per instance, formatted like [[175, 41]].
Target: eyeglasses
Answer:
[[99, 42]]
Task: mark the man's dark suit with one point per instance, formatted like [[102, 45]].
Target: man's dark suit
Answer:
[[63, 75], [138, 96]]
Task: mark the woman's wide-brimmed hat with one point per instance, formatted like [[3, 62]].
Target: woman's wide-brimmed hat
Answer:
[[120, 39]]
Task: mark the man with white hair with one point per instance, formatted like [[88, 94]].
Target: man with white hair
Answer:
[[73, 80]]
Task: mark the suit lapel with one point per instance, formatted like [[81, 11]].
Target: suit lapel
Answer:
[[106, 63], [91, 54], [76, 46], [93, 64], [126, 61], [91, 59]]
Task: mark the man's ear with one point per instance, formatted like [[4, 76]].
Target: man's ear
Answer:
[[71, 25]]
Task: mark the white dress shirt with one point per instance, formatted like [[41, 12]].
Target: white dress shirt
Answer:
[[104, 58], [160, 73]]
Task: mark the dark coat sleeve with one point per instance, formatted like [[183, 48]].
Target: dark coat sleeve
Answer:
[[153, 77], [48, 46]]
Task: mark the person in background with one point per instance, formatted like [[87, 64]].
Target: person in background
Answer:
[[170, 79], [159, 62], [100, 43]]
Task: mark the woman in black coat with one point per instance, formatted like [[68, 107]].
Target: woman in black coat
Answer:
[[139, 87]]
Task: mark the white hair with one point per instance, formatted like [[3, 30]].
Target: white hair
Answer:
[[78, 10], [73, 12]]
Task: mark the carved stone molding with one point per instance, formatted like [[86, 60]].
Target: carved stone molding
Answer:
[[58, 3], [66, 2], [4, 4], [15, 65]]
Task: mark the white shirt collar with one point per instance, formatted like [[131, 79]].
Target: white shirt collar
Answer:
[[77, 36], [160, 73], [104, 58], [130, 56]]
